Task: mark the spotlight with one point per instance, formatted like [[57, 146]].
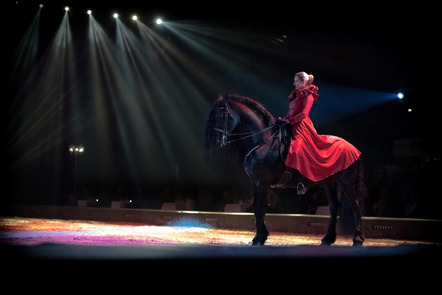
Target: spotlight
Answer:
[[400, 95], [89, 11], [159, 21], [66, 8], [134, 17], [115, 15], [41, 5], [76, 149]]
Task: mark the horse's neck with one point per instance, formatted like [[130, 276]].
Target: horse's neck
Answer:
[[251, 122]]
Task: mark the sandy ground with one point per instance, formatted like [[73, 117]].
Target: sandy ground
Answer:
[[82, 253], [33, 231]]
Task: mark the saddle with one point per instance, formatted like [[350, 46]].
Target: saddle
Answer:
[[284, 132]]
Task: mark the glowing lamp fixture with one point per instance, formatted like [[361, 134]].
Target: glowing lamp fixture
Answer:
[[76, 149], [159, 21], [134, 17], [66, 8], [89, 11], [115, 15], [400, 95]]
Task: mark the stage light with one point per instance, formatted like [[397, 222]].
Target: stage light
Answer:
[[41, 5], [400, 95], [115, 15], [159, 21], [134, 17], [76, 150], [89, 11], [66, 8]]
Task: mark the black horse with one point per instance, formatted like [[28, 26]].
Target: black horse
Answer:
[[253, 131]]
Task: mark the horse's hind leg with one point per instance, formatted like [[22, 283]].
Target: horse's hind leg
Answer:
[[333, 204], [358, 237], [350, 214], [352, 191], [355, 192]]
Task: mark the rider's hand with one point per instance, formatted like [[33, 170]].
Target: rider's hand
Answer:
[[281, 121]]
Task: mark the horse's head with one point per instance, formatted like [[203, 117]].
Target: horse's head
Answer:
[[223, 119], [239, 119]]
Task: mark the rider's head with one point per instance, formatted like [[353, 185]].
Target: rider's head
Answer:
[[302, 79]]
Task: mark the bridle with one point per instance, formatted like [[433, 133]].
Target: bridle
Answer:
[[242, 135]]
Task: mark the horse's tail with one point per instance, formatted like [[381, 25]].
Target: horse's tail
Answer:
[[352, 199]]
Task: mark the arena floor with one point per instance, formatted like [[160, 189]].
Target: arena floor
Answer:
[[34, 231], [39, 249]]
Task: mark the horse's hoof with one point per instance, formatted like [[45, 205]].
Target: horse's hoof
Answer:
[[259, 241], [357, 243], [327, 240], [358, 239]]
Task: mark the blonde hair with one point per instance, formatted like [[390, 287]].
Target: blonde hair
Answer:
[[305, 77]]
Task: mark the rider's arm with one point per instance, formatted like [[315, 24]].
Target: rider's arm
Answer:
[[307, 103]]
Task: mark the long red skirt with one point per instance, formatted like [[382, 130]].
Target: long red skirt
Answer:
[[319, 156]]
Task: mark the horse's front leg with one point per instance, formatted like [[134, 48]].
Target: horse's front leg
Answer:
[[260, 200]]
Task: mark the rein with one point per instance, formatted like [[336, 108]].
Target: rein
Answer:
[[244, 135]]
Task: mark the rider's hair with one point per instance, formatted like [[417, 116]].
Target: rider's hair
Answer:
[[305, 77]]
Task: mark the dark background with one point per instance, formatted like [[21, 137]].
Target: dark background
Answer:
[[368, 48]]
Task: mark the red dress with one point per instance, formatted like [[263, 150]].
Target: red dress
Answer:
[[315, 156]]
